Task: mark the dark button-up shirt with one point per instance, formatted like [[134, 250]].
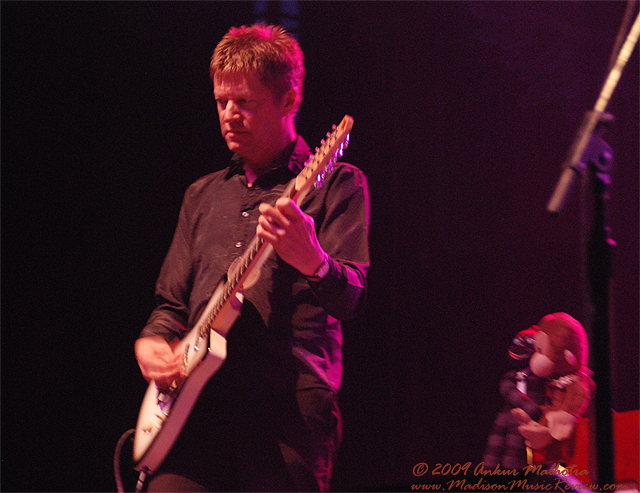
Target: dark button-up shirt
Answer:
[[289, 330]]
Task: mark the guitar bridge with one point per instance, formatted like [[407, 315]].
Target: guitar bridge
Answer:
[[164, 402]]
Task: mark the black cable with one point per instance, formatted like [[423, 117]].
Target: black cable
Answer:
[[116, 459]]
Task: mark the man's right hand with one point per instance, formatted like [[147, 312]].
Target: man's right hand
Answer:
[[157, 361]]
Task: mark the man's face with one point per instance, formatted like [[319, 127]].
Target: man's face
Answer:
[[252, 120]]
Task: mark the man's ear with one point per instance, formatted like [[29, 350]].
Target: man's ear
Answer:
[[289, 99]]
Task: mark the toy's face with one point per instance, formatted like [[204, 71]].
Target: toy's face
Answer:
[[541, 363]]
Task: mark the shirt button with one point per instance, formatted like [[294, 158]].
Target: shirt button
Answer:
[[245, 214], [239, 244]]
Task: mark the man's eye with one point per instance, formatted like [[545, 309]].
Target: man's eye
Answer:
[[248, 103], [222, 103]]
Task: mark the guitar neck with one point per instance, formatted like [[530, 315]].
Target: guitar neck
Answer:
[[312, 173]]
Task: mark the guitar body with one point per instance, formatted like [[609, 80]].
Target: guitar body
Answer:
[[164, 412]]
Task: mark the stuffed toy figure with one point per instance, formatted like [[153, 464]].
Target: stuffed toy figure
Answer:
[[561, 356], [521, 389]]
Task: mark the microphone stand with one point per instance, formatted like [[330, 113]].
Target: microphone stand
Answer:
[[598, 251], [591, 157]]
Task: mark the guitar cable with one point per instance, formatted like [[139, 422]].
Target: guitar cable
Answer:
[[116, 463]]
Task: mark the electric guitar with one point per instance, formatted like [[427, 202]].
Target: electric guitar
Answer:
[[164, 411]]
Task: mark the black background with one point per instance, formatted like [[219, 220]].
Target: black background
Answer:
[[464, 112]]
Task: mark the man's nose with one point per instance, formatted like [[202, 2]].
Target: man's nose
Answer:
[[232, 111]]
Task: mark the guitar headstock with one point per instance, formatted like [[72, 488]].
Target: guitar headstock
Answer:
[[321, 162]]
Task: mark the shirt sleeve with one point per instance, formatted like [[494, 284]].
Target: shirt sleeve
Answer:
[[343, 233], [170, 317]]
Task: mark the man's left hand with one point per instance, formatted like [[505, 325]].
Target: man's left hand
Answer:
[[292, 234]]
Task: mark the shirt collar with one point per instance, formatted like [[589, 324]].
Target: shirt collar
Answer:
[[299, 157]]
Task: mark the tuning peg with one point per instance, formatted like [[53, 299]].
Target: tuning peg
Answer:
[[318, 182]]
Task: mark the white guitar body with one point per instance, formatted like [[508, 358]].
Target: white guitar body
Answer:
[[162, 415], [204, 349]]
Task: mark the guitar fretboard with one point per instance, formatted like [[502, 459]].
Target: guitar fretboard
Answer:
[[312, 173]]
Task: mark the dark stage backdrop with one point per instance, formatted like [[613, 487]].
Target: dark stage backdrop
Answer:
[[464, 112]]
